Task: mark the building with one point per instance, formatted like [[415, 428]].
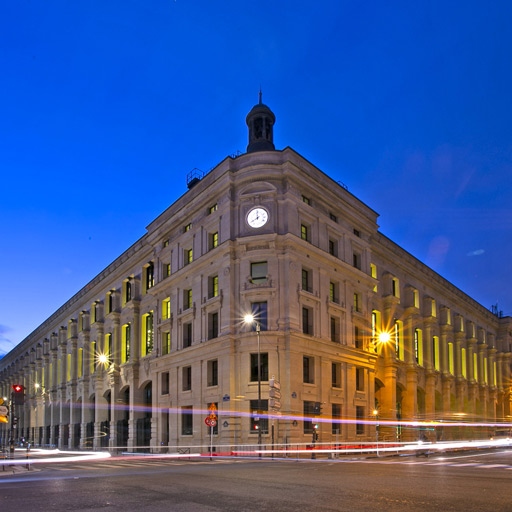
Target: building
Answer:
[[135, 360]]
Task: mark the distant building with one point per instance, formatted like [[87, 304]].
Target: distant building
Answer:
[[135, 360]]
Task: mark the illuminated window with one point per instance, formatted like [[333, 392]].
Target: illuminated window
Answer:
[[166, 308], [418, 346], [357, 302], [125, 342], [80, 363], [167, 269], [93, 357], [304, 232], [213, 208], [166, 343], [188, 256], [68, 368], [107, 348], [373, 273], [463, 363], [187, 227], [334, 294], [213, 286], [187, 299], [399, 342], [395, 287], [451, 362], [148, 333], [486, 375], [436, 355], [475, 367], [213, 240], [127, 291], [150, 276], [306, 200]]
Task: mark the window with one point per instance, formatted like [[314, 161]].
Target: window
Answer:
[[464, 367], [107, 348], [187, 334], [259, 272], [213, 208], [213, 286], [127, 291], [188, 256], [373, 273], [166, 269], [125, 342], [186, 378], [94, 357], [357, 233], [336, 417], [356, 260], [259, 419], [357, 302], [304, 232], [212, 370], [166, 243], [359, 379], [259, 311], [334, 294], [333, 247], [213, 325], [451, 363], [109, 303], [80, 363], [359, 420], [436, 353], [264, 367], [309, 412], [150, 276], [147, 322], [307, 321], [94, 312], [336, 375], [418, 346], [335, 329], [187, 423], [395, 287], [213, 240], [166, 343], [166, 308], [165, 383], [308, 370], [333, 217], [187, 299], [306, 280], [399, 342], [187, 227], [475, 367], [358, 338], [306, 200]]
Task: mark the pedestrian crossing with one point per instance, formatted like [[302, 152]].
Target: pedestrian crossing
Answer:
[[444, 463]]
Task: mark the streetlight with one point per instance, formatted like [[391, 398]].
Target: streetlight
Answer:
[[375, 413], [250, 320]]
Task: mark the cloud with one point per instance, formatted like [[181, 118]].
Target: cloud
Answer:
[[477, 252], [6, 345]]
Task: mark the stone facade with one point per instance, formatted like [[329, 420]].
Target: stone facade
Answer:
[[135, 359]]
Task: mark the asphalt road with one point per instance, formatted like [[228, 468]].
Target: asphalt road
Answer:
[[470, 483]]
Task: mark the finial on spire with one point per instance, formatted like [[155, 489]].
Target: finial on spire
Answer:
[[260, 94]]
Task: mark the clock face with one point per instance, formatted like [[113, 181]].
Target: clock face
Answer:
[[257, 217]]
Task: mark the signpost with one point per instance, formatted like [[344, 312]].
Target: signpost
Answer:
[[211, 421]]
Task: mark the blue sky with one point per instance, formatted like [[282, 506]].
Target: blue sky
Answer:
[[106, 105]]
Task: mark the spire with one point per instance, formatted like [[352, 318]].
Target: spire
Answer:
[[260, 121]]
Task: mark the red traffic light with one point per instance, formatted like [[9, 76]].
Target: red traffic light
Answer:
[[18, 388]]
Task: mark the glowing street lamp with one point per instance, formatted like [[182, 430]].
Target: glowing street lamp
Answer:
[[251, 320]]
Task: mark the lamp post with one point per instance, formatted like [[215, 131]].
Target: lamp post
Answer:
[[249, 319]]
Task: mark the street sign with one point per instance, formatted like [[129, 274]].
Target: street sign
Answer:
[[210, 422], [4, 411]]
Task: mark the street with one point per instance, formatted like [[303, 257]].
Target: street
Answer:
[[469, 482]]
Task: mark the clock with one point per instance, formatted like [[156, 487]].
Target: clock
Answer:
[[257, 217]]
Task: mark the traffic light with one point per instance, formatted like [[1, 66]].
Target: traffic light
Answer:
[[18, 394]]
